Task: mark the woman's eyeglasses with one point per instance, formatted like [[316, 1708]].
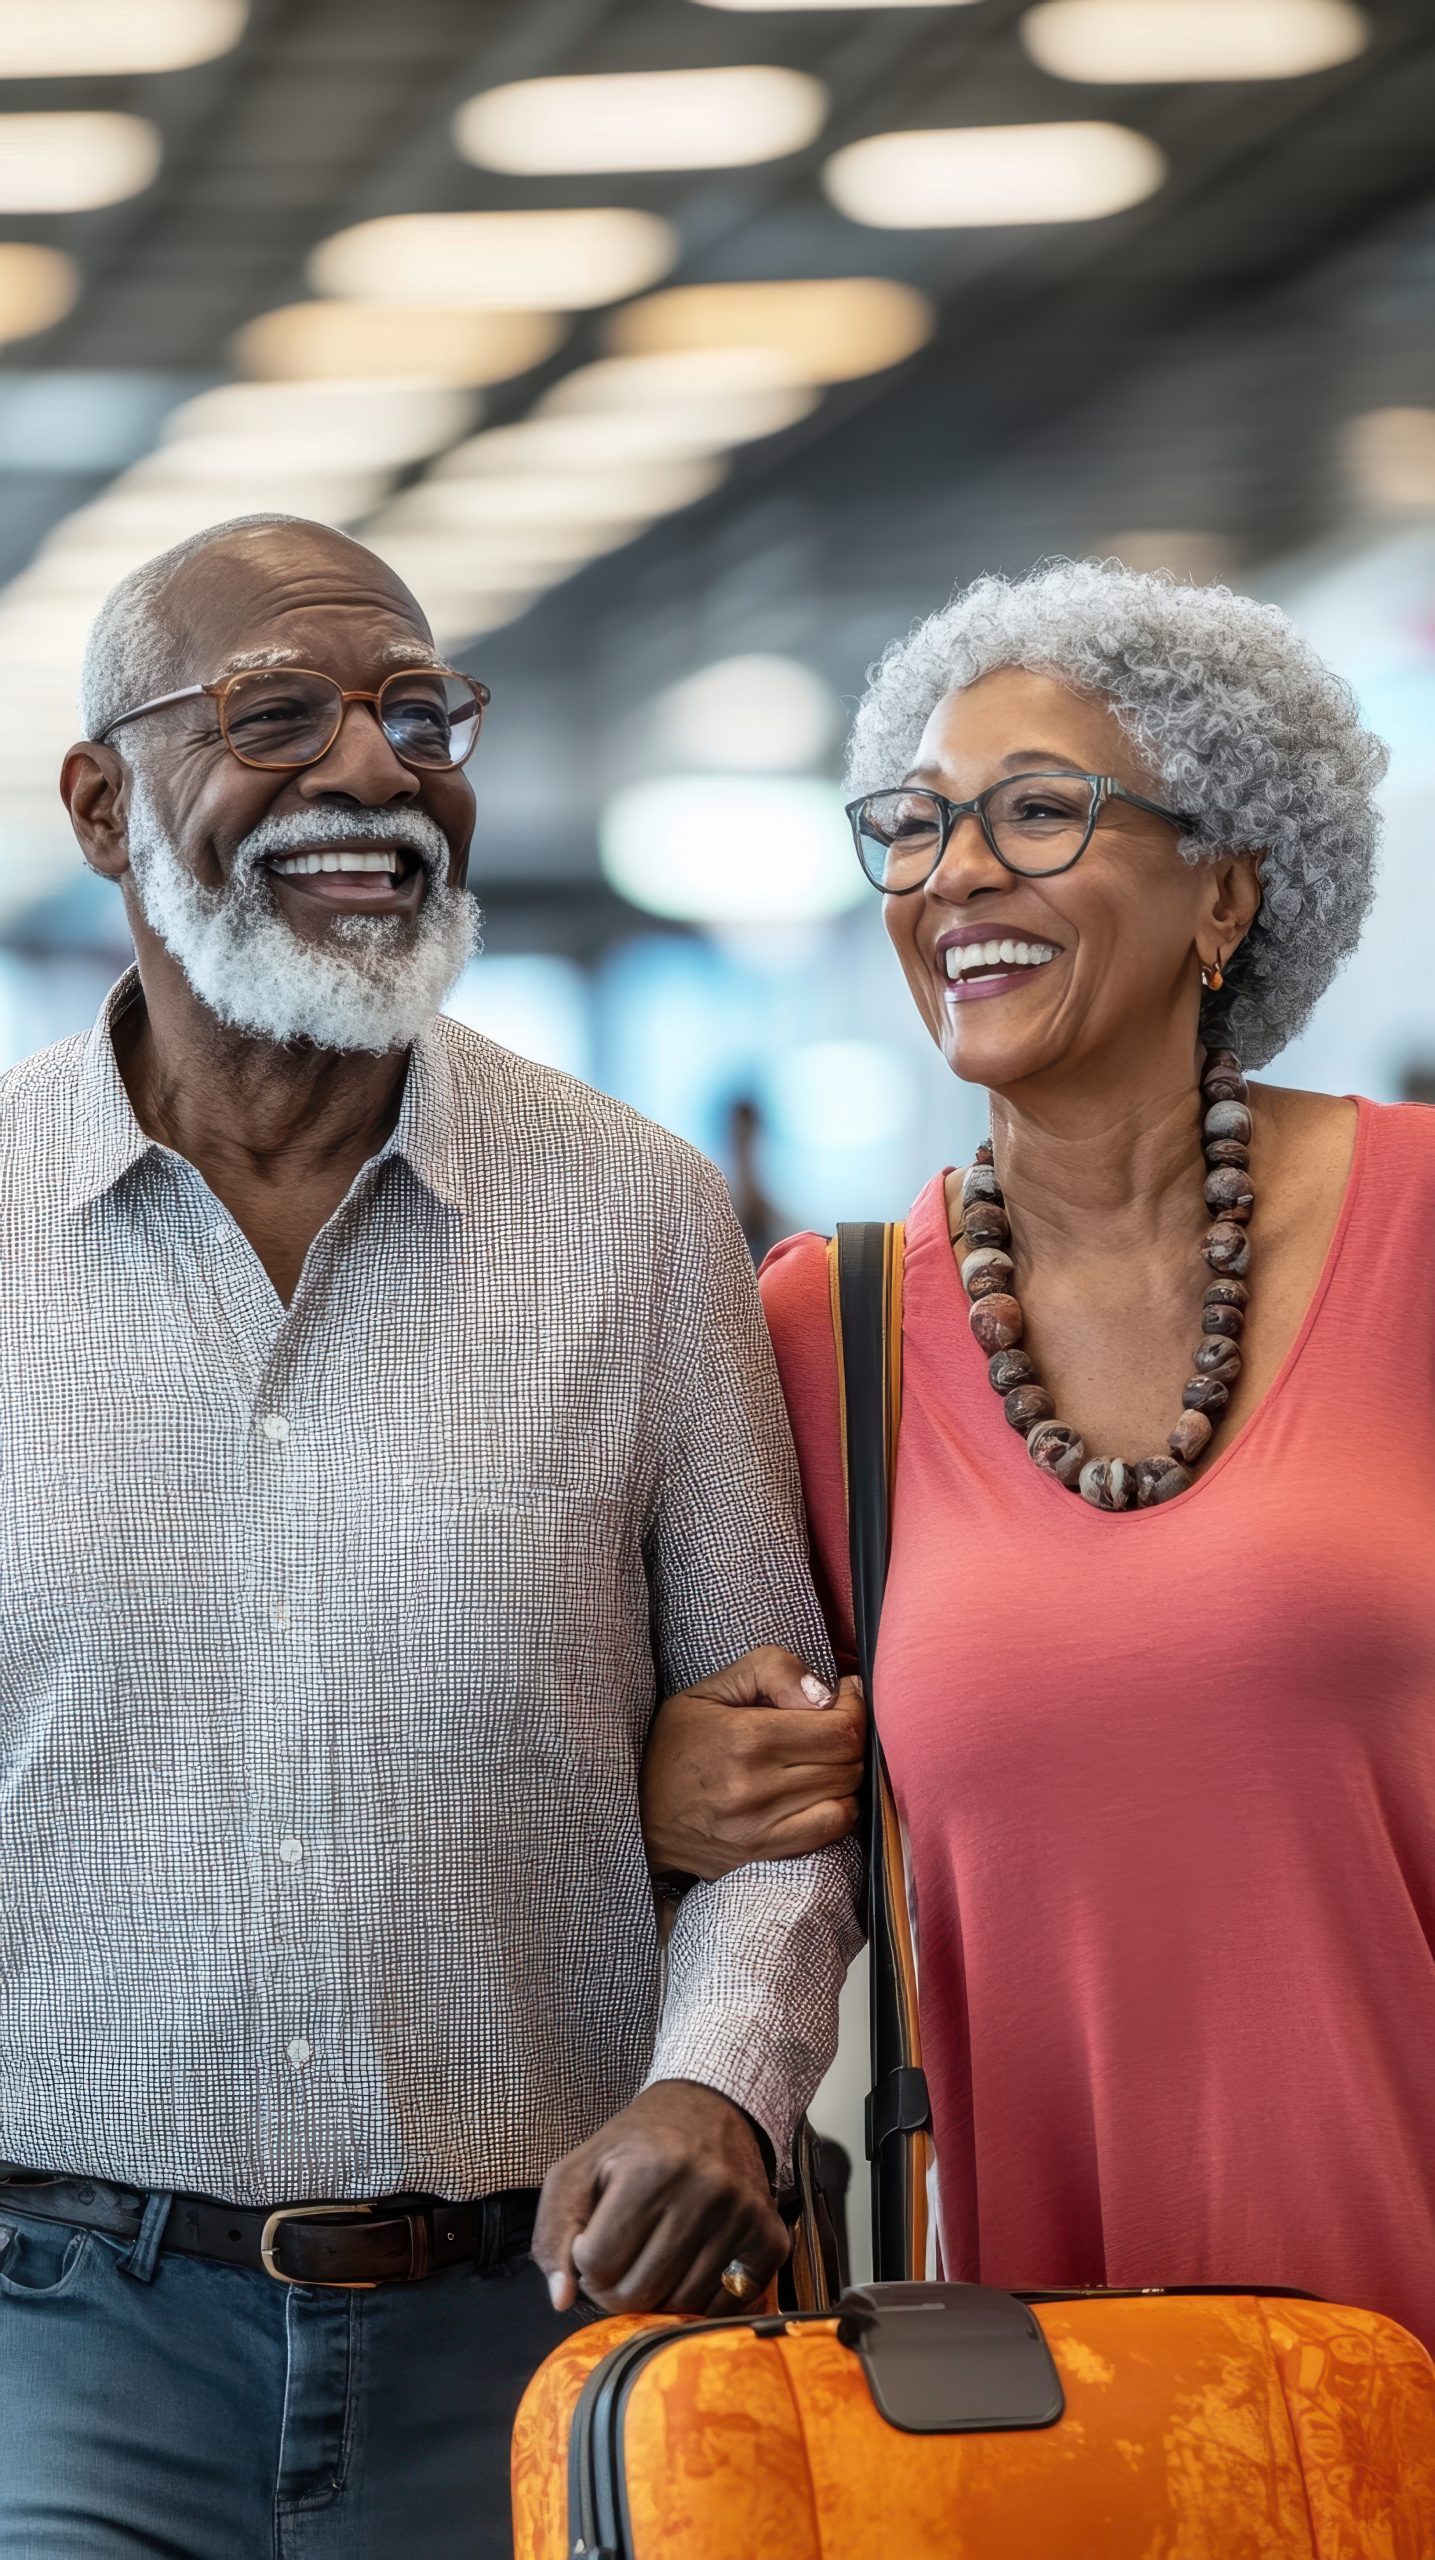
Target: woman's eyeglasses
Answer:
[[1036, 824], [278, 718]]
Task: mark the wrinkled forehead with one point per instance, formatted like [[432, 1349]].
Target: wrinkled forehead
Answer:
[[295, 597]]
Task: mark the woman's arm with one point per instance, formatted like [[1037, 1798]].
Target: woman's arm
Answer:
[[747, 1765]]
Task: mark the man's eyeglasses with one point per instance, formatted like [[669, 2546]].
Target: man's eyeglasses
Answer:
[[1036, 824], [278, 718]]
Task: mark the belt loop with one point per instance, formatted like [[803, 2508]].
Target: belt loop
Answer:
[[142, 2256]]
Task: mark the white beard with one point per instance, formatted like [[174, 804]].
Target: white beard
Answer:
[[376, 983]]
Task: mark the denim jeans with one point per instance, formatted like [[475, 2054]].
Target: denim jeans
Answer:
[[167, 2408]]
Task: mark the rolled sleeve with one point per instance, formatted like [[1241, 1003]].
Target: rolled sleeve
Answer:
[[755, 1959]]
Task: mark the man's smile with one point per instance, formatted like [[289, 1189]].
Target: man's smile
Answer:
[[361, 879]]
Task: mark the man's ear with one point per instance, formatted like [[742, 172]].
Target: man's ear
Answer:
[[94, 786]]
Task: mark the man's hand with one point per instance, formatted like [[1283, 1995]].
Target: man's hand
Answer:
[[759, 1761], [647, 2214]]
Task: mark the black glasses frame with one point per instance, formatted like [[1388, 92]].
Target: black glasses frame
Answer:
[[1104, 787]]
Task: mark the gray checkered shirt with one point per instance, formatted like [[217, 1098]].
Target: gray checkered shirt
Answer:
[[330, 1634]]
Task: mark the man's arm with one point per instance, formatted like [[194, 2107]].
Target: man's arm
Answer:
[[649, 2211]]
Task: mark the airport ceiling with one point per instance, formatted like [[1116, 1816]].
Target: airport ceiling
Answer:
[[1183, 372]]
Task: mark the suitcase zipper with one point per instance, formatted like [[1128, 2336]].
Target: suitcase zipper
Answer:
[[598, 2519]]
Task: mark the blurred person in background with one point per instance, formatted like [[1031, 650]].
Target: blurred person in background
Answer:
[[387, 1421], [1157, 1665], [757, 1215]]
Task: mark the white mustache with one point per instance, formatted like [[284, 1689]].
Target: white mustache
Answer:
[[296, 830]]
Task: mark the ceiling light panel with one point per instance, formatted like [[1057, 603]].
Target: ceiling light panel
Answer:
[[542, 261], [754, 714], [143, 512], [73, 163], [682, 382], [633, 493], [608, 438], [106, 39], [494, 553], [789, 8], [347, 341], [724, 119], [331, 425], [1390, 457], [827, 329], [38, 286], [1114, 41], [1006, 174], [731, 849]]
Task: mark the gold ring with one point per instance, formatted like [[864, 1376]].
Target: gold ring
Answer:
[[739, 2281]]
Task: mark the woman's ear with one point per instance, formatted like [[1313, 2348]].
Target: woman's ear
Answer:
[[93, 787], [1235, 899]]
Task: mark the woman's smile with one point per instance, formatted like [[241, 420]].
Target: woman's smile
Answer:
[[990, 960]]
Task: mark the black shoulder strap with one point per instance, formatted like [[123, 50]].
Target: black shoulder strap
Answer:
[[866, 1310]]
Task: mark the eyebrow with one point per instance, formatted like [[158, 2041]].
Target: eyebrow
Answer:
[[394, 653], [1021, 760]]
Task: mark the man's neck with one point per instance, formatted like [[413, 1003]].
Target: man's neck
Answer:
[[217, 1095]]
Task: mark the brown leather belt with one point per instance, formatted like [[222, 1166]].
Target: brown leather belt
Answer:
[[399, 2240]]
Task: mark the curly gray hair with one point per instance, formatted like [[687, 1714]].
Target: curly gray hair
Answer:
[[1232, 715]]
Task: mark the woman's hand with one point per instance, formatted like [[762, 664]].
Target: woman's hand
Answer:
[[758, 1761]]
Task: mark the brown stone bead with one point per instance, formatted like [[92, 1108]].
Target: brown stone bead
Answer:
[[1228, 1151], [986, 1222], [980, 1184], [996, 1322], [1109, 1484], [984, 1152], [1228, 1120], [1205, 1395], [1191, 1435], [1028, 1405], [1223, 1080], [1230, 1321], [1011, 1369], [1226, 1293], [1230, 1193], [1227, 1248], [1160, 1480], [1219, 1360], [1057, 1450], [986, 1271], [1220, 1062]]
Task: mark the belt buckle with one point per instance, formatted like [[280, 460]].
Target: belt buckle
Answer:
[[307, 2213]]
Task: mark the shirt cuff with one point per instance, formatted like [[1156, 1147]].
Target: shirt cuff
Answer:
[[744, 2066]]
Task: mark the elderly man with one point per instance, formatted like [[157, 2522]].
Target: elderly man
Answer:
[[387, 1423]]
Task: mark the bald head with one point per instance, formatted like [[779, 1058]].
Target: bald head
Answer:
[[206, 603]]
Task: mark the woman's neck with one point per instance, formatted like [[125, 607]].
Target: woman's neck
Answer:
[[1091, 1176]]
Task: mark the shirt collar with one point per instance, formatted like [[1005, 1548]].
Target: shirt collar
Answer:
[[425, 1131], [109, 1139]]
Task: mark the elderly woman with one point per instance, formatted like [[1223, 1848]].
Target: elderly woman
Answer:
[[1157, 1673]]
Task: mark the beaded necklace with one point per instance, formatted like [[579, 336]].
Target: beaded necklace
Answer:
[[1123, 1484]]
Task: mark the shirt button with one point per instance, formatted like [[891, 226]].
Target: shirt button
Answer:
[[274, 1427], [291, 1851], [279, 1615], [298, 2050]]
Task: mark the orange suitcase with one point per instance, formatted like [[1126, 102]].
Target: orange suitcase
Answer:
[[949, 2422]]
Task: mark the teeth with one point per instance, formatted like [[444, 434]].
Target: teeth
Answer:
[[964, 958], [349, 859]]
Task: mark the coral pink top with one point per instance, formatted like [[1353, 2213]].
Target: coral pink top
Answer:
[[1168, 1779]]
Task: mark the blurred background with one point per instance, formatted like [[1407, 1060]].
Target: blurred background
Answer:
[[679, 353]]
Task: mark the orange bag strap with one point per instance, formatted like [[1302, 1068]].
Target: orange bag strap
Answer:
[[865, 1275]]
